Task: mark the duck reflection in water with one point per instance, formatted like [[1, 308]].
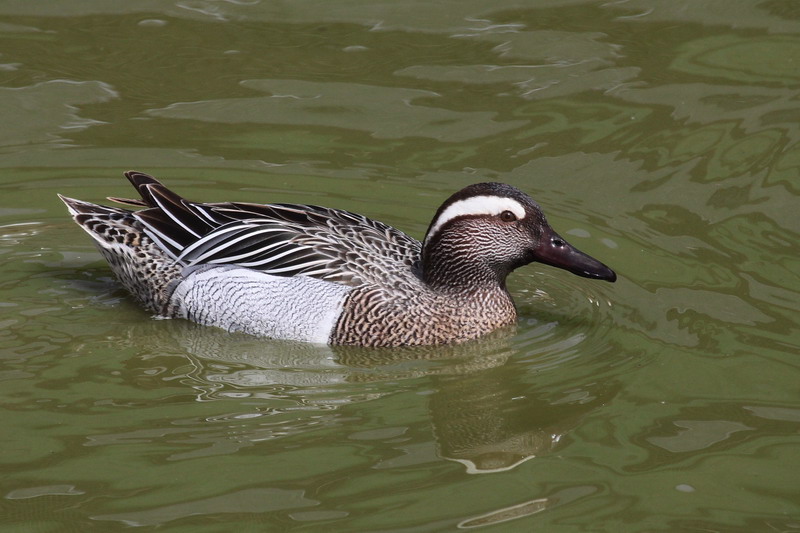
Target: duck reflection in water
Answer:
[[483, 413]]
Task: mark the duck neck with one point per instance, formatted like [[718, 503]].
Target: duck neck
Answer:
[[450, 268]]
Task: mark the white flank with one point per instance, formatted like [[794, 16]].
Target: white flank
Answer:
[[239, 299], [477, 205]]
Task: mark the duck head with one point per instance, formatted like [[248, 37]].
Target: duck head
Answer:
[[483, 232]]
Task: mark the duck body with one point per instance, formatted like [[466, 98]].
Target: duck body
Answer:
[[315, 274]]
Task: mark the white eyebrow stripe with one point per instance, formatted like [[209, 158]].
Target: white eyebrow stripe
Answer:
[[477, 205]]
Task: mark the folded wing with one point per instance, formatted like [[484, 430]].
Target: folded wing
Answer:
[[278, 239]]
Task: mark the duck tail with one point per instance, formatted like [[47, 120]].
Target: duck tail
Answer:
[[142, 267]]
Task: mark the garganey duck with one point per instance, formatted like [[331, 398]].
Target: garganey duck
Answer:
[[316, 274]]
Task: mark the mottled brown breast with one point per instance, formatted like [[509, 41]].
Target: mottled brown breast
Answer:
[[379, 316]]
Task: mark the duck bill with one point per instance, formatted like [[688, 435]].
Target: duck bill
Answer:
[[557, 252]]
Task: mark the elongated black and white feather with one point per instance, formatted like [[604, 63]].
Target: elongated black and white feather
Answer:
[[278, 239]]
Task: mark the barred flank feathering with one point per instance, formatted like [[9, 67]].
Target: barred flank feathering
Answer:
[[316, 274], [265, 305]]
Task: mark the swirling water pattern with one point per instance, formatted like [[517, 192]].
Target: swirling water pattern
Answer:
[[661, 137]]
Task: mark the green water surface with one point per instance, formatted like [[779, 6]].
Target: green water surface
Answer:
[[661, 137]]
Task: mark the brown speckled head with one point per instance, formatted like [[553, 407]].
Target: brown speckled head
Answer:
[[486, 230]]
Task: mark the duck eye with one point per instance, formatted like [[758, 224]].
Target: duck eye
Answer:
[[508, 216]]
